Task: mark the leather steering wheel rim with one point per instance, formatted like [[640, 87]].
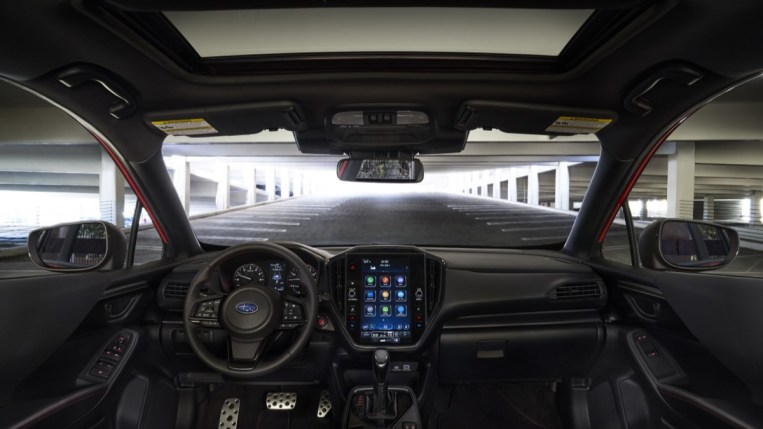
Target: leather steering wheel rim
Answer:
[[261, 367]]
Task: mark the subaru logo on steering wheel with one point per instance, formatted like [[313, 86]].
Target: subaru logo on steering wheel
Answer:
[[246, 307]]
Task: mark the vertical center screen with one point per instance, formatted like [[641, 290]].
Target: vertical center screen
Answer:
[[384, 304]]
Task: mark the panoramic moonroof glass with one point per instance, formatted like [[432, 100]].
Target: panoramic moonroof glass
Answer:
[[227, 33]]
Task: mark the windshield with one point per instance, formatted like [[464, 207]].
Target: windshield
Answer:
[[504, 190]]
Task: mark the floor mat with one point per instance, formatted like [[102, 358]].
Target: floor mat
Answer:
[[254, 415], [515, 406]]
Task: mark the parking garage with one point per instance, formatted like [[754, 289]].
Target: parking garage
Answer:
[[239, 186]]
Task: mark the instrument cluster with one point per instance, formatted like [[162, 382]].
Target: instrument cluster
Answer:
[[277, 274]]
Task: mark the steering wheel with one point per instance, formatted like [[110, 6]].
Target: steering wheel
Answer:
[[251, 315]]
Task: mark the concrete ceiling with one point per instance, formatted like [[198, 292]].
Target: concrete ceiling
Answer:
[[736, 116]]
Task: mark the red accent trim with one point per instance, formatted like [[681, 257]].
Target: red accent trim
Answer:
[[344, 167], [635, 177], [134, 187]]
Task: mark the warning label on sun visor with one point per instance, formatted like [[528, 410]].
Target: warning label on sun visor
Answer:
[[577, 125], [185, 127]]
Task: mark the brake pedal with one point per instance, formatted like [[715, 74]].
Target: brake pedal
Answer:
[[229, 414], [324, 404], [281, 400]]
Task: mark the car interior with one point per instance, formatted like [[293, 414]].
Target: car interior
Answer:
[[381, 325]]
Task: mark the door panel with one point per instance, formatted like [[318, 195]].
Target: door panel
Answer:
[[57, 329], [38, 315], [726, 315]]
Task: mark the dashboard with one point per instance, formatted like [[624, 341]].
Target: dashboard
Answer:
[[405, 297]]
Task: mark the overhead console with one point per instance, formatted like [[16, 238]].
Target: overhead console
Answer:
[[385, 295], [375, 128]]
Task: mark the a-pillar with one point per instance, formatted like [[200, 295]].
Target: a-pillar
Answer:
[[755, 207], [533, 186], [111, 191], [181, 180], [708, 214], [285, 183], [297, 183], [270, 184], [222, 197], [562, 188], [511, 193], [250, 181], [681, 181]]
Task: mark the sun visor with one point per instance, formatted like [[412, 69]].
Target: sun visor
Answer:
[[525, 118], [231, 120]]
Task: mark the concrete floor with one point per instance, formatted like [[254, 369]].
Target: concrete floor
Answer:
[[421, 219]]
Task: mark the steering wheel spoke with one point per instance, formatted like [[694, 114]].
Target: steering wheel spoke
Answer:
[[244, 355], [206, 311], [293, 313]]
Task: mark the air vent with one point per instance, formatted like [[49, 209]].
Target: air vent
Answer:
[[175, 289], [577, 291], [434, 282], [339, 274]]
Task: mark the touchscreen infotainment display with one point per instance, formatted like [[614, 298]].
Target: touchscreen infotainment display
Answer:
[[385, 291]]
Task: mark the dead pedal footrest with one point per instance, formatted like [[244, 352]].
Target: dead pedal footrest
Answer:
[[281, 401]]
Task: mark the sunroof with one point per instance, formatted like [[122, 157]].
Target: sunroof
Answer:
[[492, 31]]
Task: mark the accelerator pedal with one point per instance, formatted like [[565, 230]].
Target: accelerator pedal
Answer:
[[281, 401], [324, 404], [229, 414]]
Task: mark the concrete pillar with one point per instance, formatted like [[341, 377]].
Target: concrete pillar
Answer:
[[755, 207], [533, 186], [297, 183], [250, 181], [497, 183], [111, 192], [644, 211], [708, 214], [285, 183], [270, 184], [181, 180], [562, 188], [681, 181], [222, 197], [512, 181]]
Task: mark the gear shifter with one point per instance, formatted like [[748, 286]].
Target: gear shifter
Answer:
[[380, 405], [380, 365]]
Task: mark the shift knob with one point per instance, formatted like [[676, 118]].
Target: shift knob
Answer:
[[380, 363]]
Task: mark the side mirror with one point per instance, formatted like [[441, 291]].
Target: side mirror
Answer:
[[687, 245], [74, 247], [380, 170]]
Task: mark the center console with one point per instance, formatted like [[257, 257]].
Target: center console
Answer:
[[385, 298]]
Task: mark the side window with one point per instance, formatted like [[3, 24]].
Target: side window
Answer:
[[53, 171], [710, 169]]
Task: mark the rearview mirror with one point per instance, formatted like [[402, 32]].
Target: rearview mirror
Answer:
[[687, 245], [380, 170], [78, 246]]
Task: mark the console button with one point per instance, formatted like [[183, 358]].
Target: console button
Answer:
[[409, 425]]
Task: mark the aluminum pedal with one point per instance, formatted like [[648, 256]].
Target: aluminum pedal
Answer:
[[324, 404], [281, 400], [229, 414]]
